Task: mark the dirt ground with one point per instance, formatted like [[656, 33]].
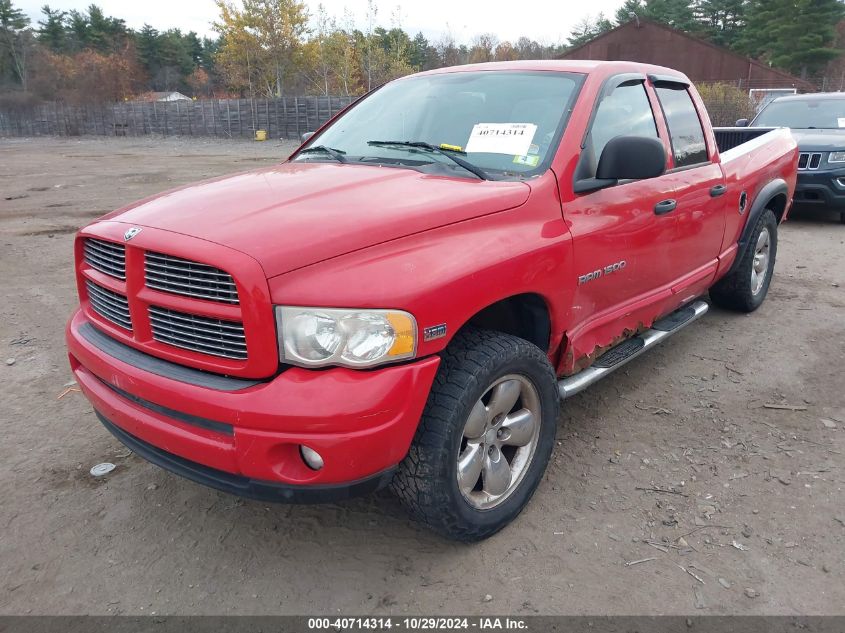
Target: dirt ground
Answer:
[[757, 525]]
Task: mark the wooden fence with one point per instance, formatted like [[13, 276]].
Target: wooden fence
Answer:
[[285, 117]]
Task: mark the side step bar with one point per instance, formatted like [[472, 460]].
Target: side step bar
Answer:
[[630, 348]]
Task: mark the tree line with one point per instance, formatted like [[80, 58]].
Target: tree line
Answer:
[[800, 36], [267, 48]]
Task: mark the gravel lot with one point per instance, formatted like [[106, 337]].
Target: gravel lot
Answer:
[[757, 525]]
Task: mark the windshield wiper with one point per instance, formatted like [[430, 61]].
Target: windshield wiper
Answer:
[[448, 153], [337, 154]]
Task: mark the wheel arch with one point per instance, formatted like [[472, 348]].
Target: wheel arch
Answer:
[[773, 196], [526, 315]]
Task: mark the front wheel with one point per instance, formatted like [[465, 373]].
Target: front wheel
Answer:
[[746, 286], [485, 436]]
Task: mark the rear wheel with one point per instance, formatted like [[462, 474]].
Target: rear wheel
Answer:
[[485, 436], [745, 288]]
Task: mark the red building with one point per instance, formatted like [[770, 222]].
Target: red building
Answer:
[[642, 40]]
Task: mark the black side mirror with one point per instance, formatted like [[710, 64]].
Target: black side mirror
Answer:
[[626, 158], [631, 158], [741, 123], [306, 136]]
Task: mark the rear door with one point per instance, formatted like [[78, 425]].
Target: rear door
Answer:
[[696, 221]]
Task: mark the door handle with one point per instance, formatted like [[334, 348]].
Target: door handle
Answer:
[[665, 207], [718, 190]]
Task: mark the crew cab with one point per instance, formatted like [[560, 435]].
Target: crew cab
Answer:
[[407, 299], [817, 122]]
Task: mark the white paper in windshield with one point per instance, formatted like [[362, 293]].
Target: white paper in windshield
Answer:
[[501, 138], [841, 121]]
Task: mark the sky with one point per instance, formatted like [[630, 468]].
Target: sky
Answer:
[[547, 21]]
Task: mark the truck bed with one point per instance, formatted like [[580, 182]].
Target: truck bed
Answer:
[[751, 158], [728, 138]]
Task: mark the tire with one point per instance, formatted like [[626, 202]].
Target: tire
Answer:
[[842, 218], [479, 373], [742, 290]]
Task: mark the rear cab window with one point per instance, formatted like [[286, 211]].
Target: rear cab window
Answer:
[[686, 133]]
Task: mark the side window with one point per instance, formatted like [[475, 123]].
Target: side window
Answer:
[[626, 111], [685, 129]]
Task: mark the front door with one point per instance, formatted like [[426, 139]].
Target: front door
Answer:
[[619, 242]]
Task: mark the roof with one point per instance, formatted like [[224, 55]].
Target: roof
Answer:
[[170, 95], [724, 52], [583, 66], [815, 96]]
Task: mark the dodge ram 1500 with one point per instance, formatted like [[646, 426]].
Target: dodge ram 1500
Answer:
[[406, 300]]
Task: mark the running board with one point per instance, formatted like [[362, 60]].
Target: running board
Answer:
[[630, 348]]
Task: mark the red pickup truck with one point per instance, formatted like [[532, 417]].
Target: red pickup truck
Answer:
[[409, 296]]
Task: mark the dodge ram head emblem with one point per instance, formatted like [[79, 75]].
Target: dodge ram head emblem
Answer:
[[131, 233]]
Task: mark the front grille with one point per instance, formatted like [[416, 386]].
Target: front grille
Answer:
[[198, 333], [109, 305], [809, 160], [192, 279], [107, 257]]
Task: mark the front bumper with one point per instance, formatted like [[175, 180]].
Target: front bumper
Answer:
[[817, 189], [245, 436]]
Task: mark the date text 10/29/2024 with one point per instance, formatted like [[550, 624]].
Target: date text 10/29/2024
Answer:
[[419, 623]]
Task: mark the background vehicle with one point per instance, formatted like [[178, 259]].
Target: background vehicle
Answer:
[[407, 298], [818, 123]]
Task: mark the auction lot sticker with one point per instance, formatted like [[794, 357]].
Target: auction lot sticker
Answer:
[[501, 138]]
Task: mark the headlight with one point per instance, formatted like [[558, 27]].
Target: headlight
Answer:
[[316, 337], [836, 157]]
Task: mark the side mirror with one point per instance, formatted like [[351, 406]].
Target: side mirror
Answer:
[[306, 136], [631, 158], [626, 158], [742, 123]]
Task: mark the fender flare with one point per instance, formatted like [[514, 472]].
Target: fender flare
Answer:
[[761, 202]]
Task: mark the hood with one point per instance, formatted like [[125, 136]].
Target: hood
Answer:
[[820, 140], [296, 214]]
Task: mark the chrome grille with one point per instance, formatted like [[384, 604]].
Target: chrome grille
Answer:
[[109, 305], [192, 279], [107, 257], [809, 160], [198, 333]]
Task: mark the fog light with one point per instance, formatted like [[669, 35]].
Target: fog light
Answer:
[[311, 458]]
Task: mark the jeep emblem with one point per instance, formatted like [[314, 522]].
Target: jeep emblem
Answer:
[[131, 233]]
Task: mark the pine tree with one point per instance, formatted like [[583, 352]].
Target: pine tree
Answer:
[[194, 44], [797, 35], [52, 31], [675, 13], [588, 29], [721, 20], [419, 53], [14, 41], [629, 10], [146, 43]]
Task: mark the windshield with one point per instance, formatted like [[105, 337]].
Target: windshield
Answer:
[[504, 123], [803, 114]]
